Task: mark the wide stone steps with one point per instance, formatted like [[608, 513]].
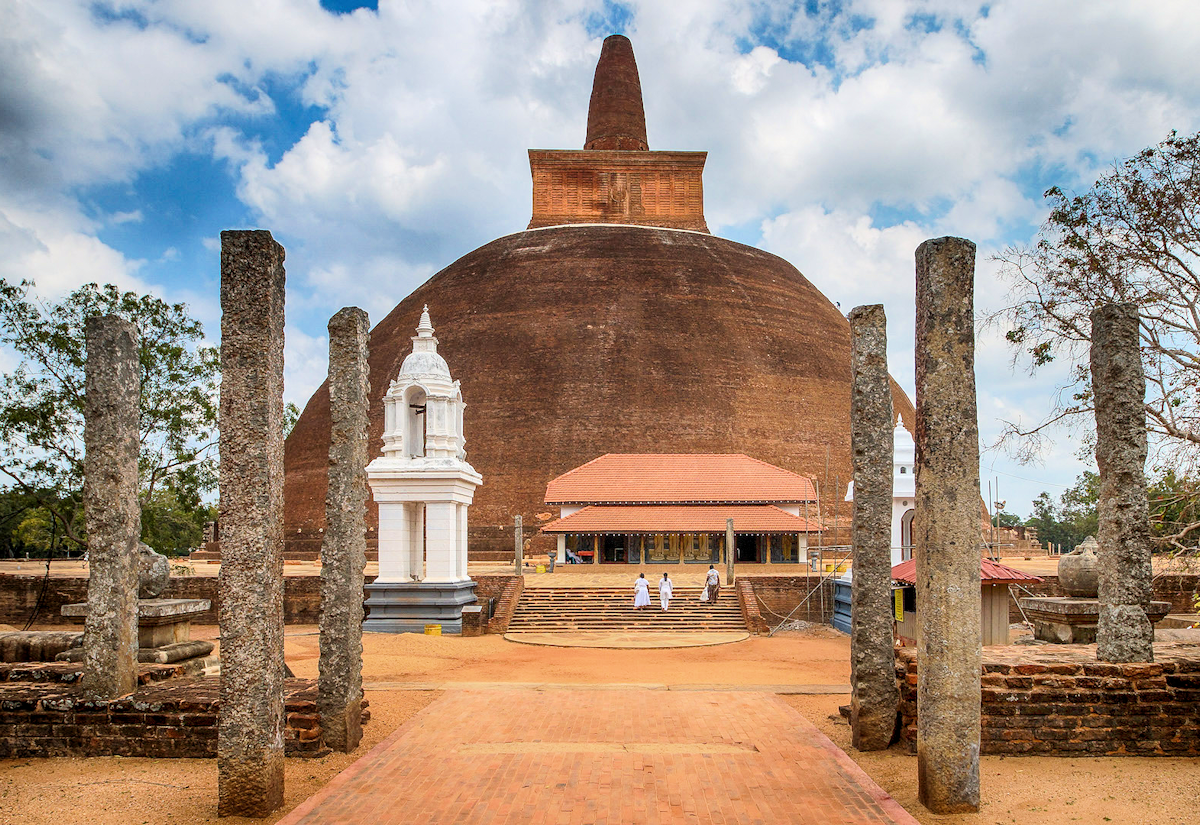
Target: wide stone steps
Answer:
[[610, 609]]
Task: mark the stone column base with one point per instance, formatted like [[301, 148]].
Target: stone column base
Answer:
[[1072, 621], [394, 607]]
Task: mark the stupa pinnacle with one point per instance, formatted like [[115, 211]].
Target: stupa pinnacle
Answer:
[[616, 119], [615, 178]]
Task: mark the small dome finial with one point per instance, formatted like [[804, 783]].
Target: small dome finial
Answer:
[[616, 119], [425, 327]]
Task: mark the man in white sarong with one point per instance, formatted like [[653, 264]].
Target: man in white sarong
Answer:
[[664, 592], [641, 592], [713, 583]]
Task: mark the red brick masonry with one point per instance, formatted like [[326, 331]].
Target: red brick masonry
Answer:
[[43, 715], [1057, 700], [751, 615], [507, 592]]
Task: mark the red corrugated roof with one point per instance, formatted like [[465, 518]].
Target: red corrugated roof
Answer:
[[990, 572], [673, 478], [681, 518]]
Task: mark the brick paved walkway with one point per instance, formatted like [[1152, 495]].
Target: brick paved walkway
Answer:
[[633, 756]]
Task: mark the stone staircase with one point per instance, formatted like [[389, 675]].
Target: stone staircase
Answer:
[[610, 610]]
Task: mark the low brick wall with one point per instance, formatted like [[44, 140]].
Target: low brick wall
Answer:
[[507, 591], [1058, 700], [19, 597], [168, 719], [778, 596], [301, 596], [751, 615]]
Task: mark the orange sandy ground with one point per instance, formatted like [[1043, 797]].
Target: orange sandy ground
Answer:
[[1033, 790]]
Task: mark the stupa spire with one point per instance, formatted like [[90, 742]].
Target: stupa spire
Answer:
[[616, 119], [424, 341]]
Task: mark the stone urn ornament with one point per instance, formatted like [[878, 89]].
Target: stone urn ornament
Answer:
[[1079, 572]]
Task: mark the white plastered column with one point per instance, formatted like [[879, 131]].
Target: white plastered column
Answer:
[[401, 541], [441, 533], [461, 549]]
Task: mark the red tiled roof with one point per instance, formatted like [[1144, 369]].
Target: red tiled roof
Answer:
[[681, 518], [674, 478], [990, 572]]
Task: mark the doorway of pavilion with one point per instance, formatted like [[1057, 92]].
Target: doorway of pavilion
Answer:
[[747, 548], [614, 549]]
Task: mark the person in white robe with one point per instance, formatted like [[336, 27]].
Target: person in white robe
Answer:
[[641, 592], [664, 592], [713, 584]]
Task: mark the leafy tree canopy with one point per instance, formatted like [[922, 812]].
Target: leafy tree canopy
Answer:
[[1072, 518], [1134, 237], [41, 411]]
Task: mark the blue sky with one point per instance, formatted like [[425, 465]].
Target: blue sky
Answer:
[[381, 141]]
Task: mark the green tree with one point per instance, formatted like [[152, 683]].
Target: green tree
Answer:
[[291, 414], [1174, 511], [1077, 507], [1045, 520], [1073, 518], [41, 411], [1134, 237], [171, 526], [1007, 519]]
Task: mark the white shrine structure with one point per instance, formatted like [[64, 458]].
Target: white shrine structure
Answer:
[[423, 486], [904, 491]]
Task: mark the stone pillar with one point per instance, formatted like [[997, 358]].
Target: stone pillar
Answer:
[[1123, 633], [946, 529], [250, 720], [518, 545], [110, 500], [344, 547], [872, 658], [730, 550]]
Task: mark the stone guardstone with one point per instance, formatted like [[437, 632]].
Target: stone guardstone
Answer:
[[154, 572], [1070, 621]]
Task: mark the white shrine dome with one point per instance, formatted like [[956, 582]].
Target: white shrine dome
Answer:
[[424, 361]]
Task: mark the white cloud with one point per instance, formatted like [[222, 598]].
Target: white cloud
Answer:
[[59, 254], [306, 363], [854, 262]]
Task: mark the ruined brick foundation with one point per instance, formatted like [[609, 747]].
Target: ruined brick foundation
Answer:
[[167, 718], [1059, 701]]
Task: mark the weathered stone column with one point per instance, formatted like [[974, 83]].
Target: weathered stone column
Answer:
[[946, 529], [110, 499], [250, 721], [518, 545], [1123, 633], [344, 546], [872, 656], [730, 550]]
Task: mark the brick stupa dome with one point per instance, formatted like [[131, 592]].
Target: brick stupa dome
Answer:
[[594, 333]]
